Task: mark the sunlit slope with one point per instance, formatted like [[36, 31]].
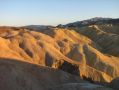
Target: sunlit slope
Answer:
[[64, 49]]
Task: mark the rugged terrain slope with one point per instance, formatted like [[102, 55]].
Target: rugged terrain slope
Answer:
[[63, 49], [90, 52]]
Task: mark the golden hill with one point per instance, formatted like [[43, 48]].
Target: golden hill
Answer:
[[91, 53]]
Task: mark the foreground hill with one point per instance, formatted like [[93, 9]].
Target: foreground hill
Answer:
[[18, 75], [90, 52]]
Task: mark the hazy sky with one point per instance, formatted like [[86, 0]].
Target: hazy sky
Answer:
[[53, 12]]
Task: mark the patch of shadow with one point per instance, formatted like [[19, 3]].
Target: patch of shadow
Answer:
[[49, 32], [88, 79], [28, 52], [74, 52], [105, 84], [65, 40], [21, 45], [48, 59], [70, 68], [115, 83], [40, 44], [15, 28], [60, 43]]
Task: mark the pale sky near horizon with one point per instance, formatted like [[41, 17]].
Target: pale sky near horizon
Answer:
[[53, 12]]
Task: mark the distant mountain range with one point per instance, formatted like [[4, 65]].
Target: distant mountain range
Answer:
[[92, 21]]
